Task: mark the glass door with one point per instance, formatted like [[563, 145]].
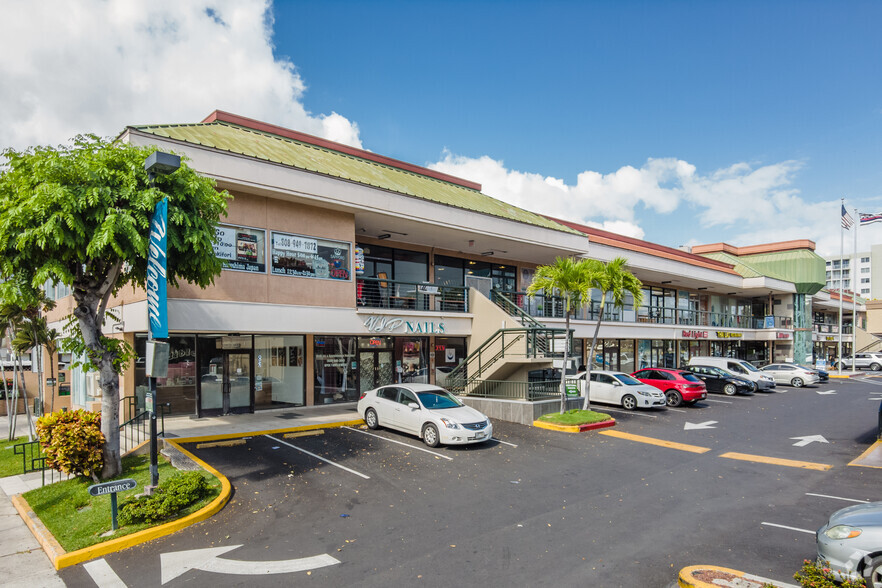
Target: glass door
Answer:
[[225, 382], [374, 369]]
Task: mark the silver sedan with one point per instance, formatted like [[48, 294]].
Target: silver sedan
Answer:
[[852, 542], [791, 374]]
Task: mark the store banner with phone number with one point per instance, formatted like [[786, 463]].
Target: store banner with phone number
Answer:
[[309, 257]]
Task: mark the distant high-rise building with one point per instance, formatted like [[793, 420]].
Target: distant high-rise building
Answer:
[[861, 273]]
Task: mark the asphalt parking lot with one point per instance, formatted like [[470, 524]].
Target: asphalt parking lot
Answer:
[[741, 482]]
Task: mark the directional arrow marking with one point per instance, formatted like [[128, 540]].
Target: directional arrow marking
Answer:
[[803, 441], [704, 425], [208, 560], [825, 392]]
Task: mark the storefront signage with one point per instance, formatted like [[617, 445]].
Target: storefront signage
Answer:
[[388, 324], [359, 261], [424, 289], [728, 335], [829, 338], [157, 308], [769, 322], [783, 335], [308, 257], [695, 334], [240, 248]]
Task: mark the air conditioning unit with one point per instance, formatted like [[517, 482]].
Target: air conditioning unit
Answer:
[[482, 285]]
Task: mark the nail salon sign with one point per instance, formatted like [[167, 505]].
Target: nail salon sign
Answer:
[[391, 324]]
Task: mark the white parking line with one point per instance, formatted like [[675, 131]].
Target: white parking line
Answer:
[[718, 401], [103, 575], [501, 441], [789, 528], [836, 497], [400, 443], [677, 409], [318, 457]]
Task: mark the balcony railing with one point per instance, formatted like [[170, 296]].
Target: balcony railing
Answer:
[[553, 307], [831, 329], [401, 295]]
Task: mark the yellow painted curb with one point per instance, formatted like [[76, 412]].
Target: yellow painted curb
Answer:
[[654, 441], [64, 560], [46, 540], [353, 423], [807, 465], [869, 450], [686, 580]]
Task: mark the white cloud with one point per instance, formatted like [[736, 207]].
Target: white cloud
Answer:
[[744, 203], [97, 65]]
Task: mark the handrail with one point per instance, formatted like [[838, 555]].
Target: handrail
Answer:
[[513, 309], [404, 295], [136, 430], [495, 348]]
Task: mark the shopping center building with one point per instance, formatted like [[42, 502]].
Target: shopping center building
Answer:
[[345, 270]]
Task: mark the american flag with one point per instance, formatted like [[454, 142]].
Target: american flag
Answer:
[[868, 219], [847, 221]]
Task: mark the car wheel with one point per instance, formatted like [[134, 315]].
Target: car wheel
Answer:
[[797, 382], [872, 573], [430, 435], [875, 367], [370, 419], [629, 402], [673, 398], [730, 389]]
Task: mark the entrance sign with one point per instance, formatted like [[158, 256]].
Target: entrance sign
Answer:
[[157, 304], [112, 487]]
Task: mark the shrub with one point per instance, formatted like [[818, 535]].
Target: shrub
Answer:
[[72, 442], [817, 575], [172, 495]]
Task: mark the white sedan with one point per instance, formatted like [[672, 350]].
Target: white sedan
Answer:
[[792, 374], [430, 412], [610, 387]]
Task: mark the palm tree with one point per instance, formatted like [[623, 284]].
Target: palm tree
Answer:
[[614, 281], [570, 278]]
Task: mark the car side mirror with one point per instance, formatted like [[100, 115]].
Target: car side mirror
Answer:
[[616, 383], [413, 405]]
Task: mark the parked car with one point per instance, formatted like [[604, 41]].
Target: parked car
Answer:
[[792, 374], [823, 376], [679, 386], [719, 380], [610, 387], [740, 368], [862, 361], [852, 542], [430, 412]]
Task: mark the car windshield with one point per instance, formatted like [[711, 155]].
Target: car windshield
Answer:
[[435, 399], [748, 366], [628, 380], [689, 377]]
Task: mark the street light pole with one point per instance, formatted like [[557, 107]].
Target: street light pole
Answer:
[[157, 163]]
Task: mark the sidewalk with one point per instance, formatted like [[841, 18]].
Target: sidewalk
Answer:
[[23, 561]]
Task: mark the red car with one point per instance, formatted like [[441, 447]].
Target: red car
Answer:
[[679, 386]]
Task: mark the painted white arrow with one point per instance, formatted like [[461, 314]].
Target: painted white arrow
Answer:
[[803, 441], [208, 560], [824, 392], [704, 425]]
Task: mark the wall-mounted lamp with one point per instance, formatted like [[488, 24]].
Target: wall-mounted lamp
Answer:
[[384, 236], [118, 327]]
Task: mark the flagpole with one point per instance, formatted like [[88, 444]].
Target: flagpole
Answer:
[[841, 256], [854, 288]]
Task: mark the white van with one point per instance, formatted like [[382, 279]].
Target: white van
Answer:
[[740, 368]]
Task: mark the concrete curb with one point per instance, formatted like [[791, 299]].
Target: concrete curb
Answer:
[[62, 559], [575, 428], [707, 576]]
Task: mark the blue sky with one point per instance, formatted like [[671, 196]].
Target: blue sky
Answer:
[[678, 122]]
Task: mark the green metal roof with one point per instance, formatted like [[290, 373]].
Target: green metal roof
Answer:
[[301, 155], [803, 267]]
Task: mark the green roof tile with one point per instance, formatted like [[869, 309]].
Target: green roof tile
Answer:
[[322, 160]]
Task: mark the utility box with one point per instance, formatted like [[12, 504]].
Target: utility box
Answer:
[[157, 359]]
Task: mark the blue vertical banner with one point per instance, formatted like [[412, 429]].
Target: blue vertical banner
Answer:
[[157, 302]]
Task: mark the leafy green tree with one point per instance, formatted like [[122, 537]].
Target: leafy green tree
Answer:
[[614, 282], [570, 279], [79, 215]]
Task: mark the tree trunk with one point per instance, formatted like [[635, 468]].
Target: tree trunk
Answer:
[[86, 313], [563, 369], [52, 377], [32, 431], [8, 404], [586, 405]]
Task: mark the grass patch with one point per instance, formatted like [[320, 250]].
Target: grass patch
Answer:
[[77, 519], [575, 417], [10, 464]]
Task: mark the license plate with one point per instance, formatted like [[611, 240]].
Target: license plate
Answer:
[[479, 436]]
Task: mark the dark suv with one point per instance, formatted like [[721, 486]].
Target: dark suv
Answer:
[[719, 380]]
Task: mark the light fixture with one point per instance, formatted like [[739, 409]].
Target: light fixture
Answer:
[[384, 236], [666, 282], [702, 288], [393, 232], [487, 253], [731, 293]]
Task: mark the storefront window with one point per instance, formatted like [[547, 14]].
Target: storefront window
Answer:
[[336, 369], [626, 356], [449, 352], [241, 248], [309, 257], [279, 371], [178, 390], [412, 359], [449, 271]]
